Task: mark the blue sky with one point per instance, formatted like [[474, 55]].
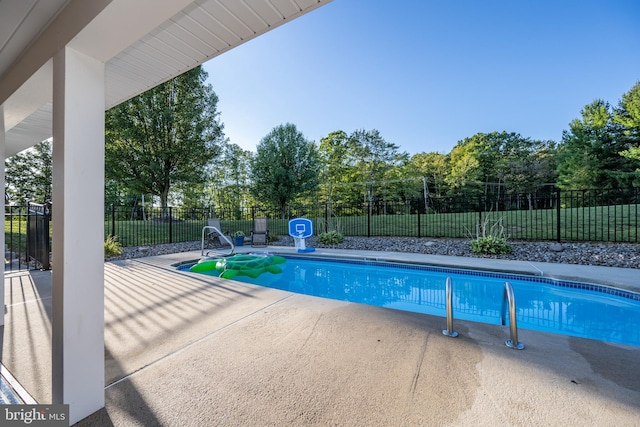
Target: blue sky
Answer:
[[428, 73]]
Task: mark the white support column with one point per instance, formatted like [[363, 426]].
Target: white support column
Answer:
[[2, 242], [78, 233]]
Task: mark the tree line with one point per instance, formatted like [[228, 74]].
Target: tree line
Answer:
[[168, 145]]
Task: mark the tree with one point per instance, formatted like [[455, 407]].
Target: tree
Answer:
[[338, 156], [589, 154], [627, 114], [526, 165], [28, 174], [500, 162], [400, 184], [285, 166], [464, 162], [225, 184], [167, 136], [374, 158], [230, 184], [434, 167], [529, 169]]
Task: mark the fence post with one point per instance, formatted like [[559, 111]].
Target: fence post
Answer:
[[27, 246], [170, 225], [326, 217], [418, 211], [369, 219], [558, 215], [46, 239], [479, 209], [113, 220]]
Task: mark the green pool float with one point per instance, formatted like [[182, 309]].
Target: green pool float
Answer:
[[241, 265]]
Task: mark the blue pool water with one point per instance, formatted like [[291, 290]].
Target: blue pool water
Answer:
[[569, 308]]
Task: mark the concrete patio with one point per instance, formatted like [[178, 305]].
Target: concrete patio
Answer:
[[186, 349]]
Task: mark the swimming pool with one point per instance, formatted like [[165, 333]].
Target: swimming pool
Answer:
[[543, 304]]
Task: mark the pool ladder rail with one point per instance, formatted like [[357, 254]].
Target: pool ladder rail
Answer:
[[508, 298], [449, 331], [219, 233]]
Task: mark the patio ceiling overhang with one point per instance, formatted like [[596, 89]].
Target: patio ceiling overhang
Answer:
[[62, 64], [142, 44]]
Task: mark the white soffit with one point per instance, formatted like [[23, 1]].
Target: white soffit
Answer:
[[141, 47], [21, 21], [199, 32]]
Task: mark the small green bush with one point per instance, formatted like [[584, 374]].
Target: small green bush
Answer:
[[112, 247], [490, 245], [330, 238], [490, 239], [333, 235]]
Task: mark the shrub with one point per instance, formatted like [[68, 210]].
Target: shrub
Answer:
[[112, 247], [333, 235], [330, 238], [490, 240], [490, 245]]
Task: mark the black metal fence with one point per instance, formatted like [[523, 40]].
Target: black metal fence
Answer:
[[27, 237], [586, 215], [38, 235]]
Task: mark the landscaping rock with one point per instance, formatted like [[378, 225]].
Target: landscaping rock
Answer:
[[556, 247], [626, 255]]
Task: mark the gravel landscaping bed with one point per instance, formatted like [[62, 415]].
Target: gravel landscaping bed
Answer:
[[625, 255]]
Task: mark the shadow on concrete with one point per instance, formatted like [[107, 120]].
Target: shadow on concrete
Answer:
[[25, 340], [176, 341]]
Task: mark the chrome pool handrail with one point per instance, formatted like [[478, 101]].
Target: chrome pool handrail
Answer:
[[509, 297], [210, 227], [448, 295]]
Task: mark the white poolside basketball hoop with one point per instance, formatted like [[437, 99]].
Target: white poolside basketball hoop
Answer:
[[301, 229]]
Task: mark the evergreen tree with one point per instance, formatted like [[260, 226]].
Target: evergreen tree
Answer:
[[589, 156], [627, 114]]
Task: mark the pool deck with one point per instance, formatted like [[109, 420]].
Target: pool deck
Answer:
[[188, 349]]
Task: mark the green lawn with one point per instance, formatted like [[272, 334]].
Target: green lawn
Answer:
[[15, 233], [606, 223], [617, 223]]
